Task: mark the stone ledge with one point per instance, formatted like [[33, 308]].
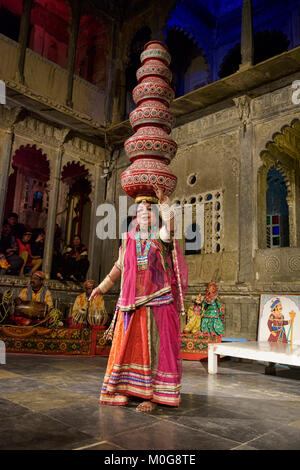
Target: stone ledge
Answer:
[[52, 284]]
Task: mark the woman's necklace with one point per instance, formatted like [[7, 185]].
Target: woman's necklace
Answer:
[[142, 258]]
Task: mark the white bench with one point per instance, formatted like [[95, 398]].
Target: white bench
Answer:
[[276, 353]]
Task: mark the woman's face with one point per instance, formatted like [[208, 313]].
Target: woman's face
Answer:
[[76, 241], [146, 216], [26, 237]]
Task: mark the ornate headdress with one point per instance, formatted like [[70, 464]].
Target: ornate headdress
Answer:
[[276, 302], [39, 274]]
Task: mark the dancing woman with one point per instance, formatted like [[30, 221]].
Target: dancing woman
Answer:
[[145, 358]]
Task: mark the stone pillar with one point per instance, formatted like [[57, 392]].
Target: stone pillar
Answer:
[[23, 37], [5, 166], [246, 214], [247, 42], [95, 244], [111, 74], [118, 93], [74, 31], [51, 219]]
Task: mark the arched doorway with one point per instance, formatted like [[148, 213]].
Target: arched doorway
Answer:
[[278, 190], [188, 65], [266, 44], [76, 188], [27, 193]]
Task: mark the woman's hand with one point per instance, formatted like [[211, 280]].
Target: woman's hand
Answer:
[[159, 194], [94, 293]]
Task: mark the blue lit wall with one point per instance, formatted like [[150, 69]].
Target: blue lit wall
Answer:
[[215, 25]]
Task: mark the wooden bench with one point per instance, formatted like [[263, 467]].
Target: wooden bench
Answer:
[[276, 353]]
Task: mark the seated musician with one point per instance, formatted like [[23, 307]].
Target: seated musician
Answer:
[[36, 292], [88, 313], [29, 260]]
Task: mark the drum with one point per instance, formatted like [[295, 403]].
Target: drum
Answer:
[[97, 317], [31, 310], [79, 317]]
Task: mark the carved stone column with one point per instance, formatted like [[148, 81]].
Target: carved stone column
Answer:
[[247, 218], [111, 74], [5, 166], [247, 42], [51, 219], [74, 31], [8, 118], [95, 244], [118, 90], [23, 37]]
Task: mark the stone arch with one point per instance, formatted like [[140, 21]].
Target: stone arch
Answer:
[[184, 64], [74, 205], [283, 154], [267, 44], [174, 18], [30, 174]]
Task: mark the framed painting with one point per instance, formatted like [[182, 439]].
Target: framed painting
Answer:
[[279, 318]]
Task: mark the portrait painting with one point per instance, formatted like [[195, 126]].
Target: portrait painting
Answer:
[[279, 319]]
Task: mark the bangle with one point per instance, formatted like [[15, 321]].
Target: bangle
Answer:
[[106, 284], [166, 211]]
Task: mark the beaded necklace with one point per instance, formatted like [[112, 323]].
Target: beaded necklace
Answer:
[[142, 258]]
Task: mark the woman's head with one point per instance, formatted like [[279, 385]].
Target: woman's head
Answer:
[[76, 240], [147, 215], [26, 237]]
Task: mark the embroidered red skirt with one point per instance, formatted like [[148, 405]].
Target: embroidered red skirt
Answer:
[[144, 360]]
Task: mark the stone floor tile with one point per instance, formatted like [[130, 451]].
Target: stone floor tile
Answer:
[[104, 445], [47, 399], [11, 386], [285, 438], [9, 409], [239, 429], [165, 435], [33, 431], [101, 421], [5, 374]]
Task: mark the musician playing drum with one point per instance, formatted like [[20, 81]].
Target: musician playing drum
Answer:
[[86, 313], [36, 292]]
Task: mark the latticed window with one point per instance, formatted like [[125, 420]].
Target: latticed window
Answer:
[[206, 237]]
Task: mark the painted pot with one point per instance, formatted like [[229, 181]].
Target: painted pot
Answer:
[[157, 114], [155, 50], [154, 68], [150, 141], [139, 178], [153, 88]]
